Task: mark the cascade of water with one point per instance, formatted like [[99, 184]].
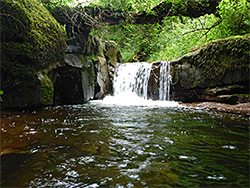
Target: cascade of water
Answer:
[[165, 81], [132, 78], [142, 77], [131, 85]]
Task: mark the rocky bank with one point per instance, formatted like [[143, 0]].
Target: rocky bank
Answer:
[[32, 44], [42, 64], [217, 72]]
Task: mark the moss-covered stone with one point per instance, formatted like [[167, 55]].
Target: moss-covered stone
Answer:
[[219, 57], [219, 63], [30, 33], [88, 66], [223, 61], [32, 41], [113, 52], [47, 90]]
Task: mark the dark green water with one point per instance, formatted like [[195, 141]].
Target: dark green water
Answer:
[[95, 145]]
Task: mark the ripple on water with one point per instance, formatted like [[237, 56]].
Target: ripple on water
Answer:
[[99, 145]]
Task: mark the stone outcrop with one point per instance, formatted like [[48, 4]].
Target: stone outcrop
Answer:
[[32, 44], [40, 67], [88, 72], [218, 71]]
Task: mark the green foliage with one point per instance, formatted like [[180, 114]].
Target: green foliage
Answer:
[[236, 17], [54, 4], [134, 41], [175, 36], [127, 5]]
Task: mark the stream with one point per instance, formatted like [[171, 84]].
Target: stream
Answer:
[[108, 145], [125, 140]]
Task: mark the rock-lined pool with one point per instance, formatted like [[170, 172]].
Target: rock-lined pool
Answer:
[[100, 145]]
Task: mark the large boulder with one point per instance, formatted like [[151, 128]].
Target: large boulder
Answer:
[[221, 63], [32, 44]]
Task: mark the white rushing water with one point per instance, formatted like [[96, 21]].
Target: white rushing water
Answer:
[[132, 78], [131, 85], [165, 81]]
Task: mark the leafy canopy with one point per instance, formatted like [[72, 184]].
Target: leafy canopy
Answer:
[[175, 36], [127, 5], [171, 38]]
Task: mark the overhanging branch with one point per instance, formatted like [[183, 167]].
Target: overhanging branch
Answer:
[[189, 8], [81, 20]]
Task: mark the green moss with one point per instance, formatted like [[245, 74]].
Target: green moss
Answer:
[[17, 76], [30, 32], [223, 55], [32, 41], [47, 90], [112, 52], [196, 83]]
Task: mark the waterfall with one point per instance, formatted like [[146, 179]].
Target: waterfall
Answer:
[[132, 81], [165, 81], [132, 78]]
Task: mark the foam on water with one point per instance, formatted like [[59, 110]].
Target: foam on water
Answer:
[[132, 99], [131, 83]]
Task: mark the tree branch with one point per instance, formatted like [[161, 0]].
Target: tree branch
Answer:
[[189, 8], [83, 19], [198, 29]]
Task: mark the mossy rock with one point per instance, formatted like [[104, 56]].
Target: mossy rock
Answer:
[[31, 34], [219, 57], [47, 90], [113, 53], [32, 41], [219, 62]]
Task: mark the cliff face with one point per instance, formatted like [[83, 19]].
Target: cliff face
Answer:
[[39, 66], [32, 44]]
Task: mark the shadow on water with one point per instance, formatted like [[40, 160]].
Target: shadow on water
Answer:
[[99, 145]]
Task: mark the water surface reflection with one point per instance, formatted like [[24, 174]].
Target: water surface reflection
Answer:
[[95, 145]]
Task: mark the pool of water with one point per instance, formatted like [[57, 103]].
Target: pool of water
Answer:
[[101, 145]]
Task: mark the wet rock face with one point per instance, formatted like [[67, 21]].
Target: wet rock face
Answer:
[[154, 83], [218, 71], [74, 82], [88, 73], [67, 89]]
